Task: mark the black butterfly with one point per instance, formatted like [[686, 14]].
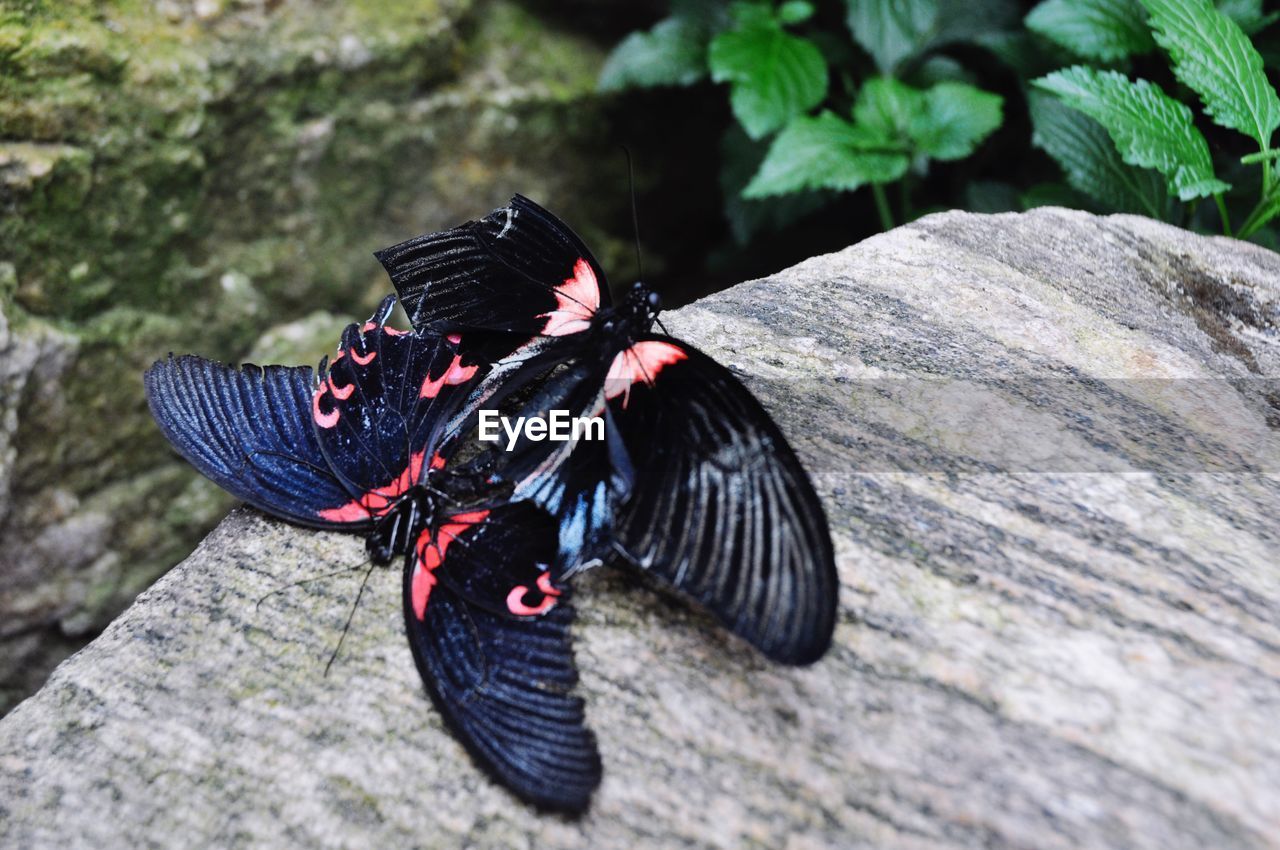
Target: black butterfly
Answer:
[[363, 445], [695, 484]]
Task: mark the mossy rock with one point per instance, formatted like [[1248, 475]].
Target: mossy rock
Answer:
[[186, 176]]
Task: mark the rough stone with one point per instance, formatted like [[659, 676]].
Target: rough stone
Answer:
[[1046, 444], [188, 174]]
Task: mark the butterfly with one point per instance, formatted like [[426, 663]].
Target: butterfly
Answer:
[[363, 445], [694, 484]]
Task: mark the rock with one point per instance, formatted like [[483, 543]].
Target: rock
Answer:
[[1047, 447], [189, 174]]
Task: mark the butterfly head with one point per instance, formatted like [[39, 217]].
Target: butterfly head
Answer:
[[638, 311]]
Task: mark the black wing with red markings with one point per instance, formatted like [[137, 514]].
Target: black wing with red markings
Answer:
[[720, 507], [490, 635], [519, 271], [249, 431], [326, 450]]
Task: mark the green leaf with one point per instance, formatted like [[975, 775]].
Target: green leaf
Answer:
[[955, 119], [1105, 30], [795, 12], [1213, 56], [1149, 128], [1248, 14], [826, 152], [945, 122], [774, 76], [673, 53], [1090, 162], [887, 107], [892, 30]]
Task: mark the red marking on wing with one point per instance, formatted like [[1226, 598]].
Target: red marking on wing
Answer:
[[641, 362], [454, 375], [324, 420], [379, 500], [431, 554], [577, 300], [374, 326], [545, 585], [364, 359], [515, 599], [342, 393], [454, 338], [437, 462]]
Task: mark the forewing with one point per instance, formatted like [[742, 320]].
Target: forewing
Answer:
[[504, 683], [248, 430], [519, 271], [720, 506]]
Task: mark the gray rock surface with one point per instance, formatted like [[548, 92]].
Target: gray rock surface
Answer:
[[1046, 445]]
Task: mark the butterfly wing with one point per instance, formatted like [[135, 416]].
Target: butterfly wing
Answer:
[[503, 682], [379, 410], [720, 507], [519, 271], [496, 558], [332, 450], [249, 431], [576, 480]]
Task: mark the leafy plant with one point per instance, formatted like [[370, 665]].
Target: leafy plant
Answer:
[[1210, 54], [796, 86], [907, 98]]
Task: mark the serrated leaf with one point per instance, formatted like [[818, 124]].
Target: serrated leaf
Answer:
[[954, 120], [826, 152], [1248, 14], [1149, 128], [1105, 30], [1090, 162], [672, 53], [892, 30], [887, 107], [774, 75], [1213, 56]]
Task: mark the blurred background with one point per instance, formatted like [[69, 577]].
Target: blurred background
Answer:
[[212, 176]]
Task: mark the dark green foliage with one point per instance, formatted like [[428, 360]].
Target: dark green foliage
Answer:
[[958, 104]]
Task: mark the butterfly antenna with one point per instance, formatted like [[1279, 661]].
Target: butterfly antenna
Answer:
[[635, 216], [306, 581], [346, 628]]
